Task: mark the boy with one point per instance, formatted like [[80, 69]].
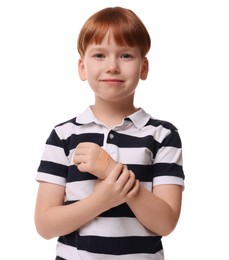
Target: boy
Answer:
[[111, 179]]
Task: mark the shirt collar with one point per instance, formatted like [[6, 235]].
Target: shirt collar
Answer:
[[86, 117], [139, 118]]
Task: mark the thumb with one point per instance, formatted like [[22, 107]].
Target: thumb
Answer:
[[82, 167]]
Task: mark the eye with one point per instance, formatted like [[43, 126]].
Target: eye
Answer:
[[126, 56], [99, 55]]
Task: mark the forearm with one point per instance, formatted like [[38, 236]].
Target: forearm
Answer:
[[61, 220], [89, 157], [153, 212]]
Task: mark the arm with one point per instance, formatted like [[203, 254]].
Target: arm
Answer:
[[158, 210], [90, 157], [52, 218]]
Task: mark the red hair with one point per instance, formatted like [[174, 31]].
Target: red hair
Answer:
[[125, 25]]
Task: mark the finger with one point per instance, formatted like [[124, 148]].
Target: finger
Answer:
[[81, 150], [87, 145], [134, 190], [84, 144], [129, 183], [79, 159], [82, 167], [79, 146], [115, 173], [124, 176]]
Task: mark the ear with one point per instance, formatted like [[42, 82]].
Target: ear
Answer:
[[81, 70], [144, 69]]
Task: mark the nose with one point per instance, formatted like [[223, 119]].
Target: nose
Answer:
[[113, 66]]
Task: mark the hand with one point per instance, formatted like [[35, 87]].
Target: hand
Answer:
[[90, 157], [117, 188]]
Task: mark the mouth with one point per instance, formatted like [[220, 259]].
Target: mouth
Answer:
[[112, 80]]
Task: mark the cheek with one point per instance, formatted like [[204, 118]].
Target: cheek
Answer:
[[135, 76], [92, 70], [134, 69], [134, 72]]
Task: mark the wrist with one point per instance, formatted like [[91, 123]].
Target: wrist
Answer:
[[112, 163]]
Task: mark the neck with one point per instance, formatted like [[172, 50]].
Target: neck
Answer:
[[112, 113]]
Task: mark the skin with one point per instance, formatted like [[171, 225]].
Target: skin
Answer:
[[113, 73]]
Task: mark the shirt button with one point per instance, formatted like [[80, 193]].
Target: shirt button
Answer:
[[111, 136]]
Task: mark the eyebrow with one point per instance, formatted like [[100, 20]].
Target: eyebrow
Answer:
[[121, 48]]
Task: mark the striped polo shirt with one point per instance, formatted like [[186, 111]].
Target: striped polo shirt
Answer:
[[151, 148]]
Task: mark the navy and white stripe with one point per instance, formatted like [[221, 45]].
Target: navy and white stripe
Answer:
[[151, 148]]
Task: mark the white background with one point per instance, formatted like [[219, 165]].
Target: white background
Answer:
[[40, 87]]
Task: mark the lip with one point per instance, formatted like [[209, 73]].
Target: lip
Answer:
[[112, 80]]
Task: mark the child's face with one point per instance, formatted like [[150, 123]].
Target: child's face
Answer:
[[113, 71]]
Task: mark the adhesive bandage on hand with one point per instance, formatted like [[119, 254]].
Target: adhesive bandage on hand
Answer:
[[103, 160]]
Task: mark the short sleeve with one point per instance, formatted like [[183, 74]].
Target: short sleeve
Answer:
[[54, 163], [168, 162]]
